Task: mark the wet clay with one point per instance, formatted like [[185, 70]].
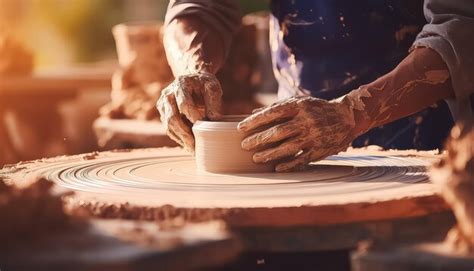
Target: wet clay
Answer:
[[163, 184], [218, 148]]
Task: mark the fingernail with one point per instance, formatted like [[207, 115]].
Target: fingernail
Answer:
[[245, 145], [281, 168], [212, 115], [241, 126], [257, 158]]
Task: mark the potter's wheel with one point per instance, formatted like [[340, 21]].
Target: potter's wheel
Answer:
[[353, 186]]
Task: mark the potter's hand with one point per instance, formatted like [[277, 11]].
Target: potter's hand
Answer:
[[188, 99], [297, 131]]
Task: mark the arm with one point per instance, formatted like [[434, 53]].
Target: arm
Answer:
[[197, 36], [449, 33], [306, 129], [440, 66], [419, 81]]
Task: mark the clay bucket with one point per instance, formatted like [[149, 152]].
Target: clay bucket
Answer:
[[218, 148]]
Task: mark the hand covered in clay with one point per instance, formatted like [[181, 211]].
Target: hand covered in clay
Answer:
[[297, 131], [189, 98]]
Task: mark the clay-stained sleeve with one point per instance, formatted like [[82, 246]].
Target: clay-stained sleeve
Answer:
[[223, 16], [450, 32]]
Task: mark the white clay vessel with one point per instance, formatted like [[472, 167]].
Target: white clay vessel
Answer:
[[218, 148]]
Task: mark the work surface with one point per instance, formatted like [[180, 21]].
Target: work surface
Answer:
[[356, 186]]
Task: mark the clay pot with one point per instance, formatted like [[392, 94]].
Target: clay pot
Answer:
[[218, 148]]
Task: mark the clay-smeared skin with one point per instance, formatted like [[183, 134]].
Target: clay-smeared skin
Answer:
[[191, 48], [454, 176], [194, 56], [188, 99], [309, 129], [419, 81], [316, 128]]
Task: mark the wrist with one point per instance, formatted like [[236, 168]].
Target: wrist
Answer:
[[357, 107], [200, 67], [362, 125]]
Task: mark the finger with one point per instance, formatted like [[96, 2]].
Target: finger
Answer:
[[212, 94], [272, 135], [295, 164], [174, 137], [176, 124], [256, 110], [287, 149], [268, 115], [186, 104], [160, 105]]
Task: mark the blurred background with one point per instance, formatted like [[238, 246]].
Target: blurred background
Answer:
[[69, 46], [65, 32]]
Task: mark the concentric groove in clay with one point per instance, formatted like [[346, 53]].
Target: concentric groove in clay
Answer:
[[172, 180]]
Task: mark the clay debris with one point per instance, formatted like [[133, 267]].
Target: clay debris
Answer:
[[165, 215]]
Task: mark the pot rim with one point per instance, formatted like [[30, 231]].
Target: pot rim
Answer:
[[227, 123]]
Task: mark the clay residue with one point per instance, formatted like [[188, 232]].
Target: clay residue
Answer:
[[91, 156], [355, 98], [382, 113], [168, 214]]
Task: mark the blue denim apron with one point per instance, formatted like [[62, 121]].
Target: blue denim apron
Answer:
[[326, 48]]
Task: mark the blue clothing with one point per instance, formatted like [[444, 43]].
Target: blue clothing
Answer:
[[328, 48]]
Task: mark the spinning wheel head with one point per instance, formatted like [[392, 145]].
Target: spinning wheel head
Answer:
[[163, 183]]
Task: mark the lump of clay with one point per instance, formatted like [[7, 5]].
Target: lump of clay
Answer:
[[15, 59], [454, 177]]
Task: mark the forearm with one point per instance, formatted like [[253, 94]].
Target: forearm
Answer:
[[192, 47], [419, 81], [198, 34]]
